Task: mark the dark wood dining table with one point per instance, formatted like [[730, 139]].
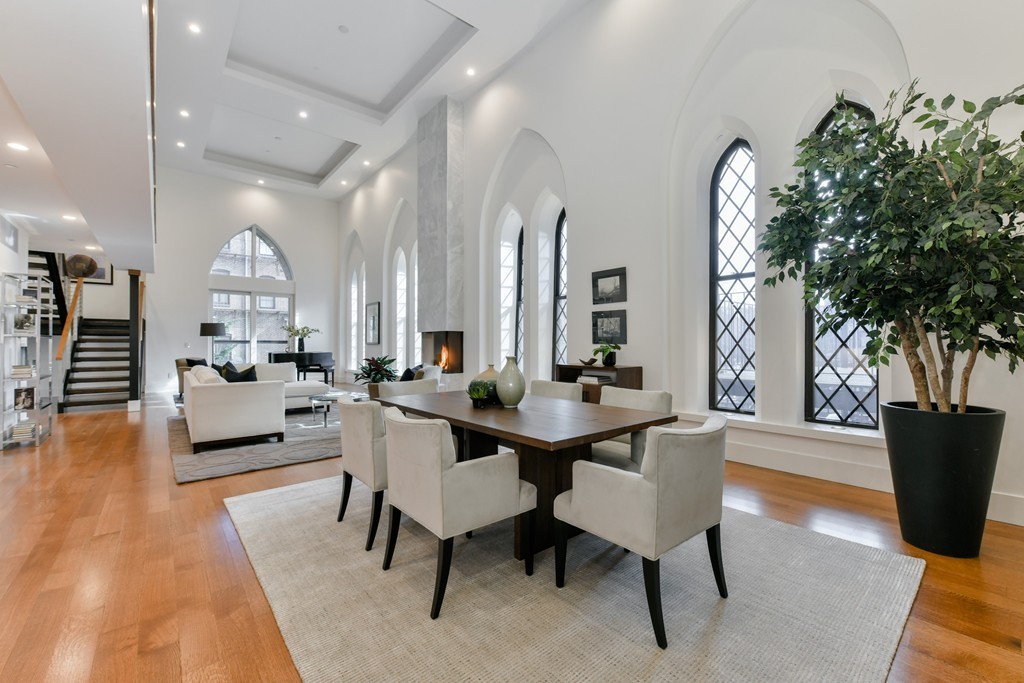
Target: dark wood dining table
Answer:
[[548, 434]]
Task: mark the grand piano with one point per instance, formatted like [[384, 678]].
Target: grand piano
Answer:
[[308, 361]]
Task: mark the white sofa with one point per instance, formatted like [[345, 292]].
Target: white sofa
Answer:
[[217, 411]]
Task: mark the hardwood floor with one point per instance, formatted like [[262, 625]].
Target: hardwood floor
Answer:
[[109, 571]]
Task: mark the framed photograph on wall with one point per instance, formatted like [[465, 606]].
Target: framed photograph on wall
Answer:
[[373, 323], [609, 327], [104, 274], [609, 286]]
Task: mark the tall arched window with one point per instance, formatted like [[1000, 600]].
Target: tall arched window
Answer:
[[520, 302], [733, 284], [840, 386], [401, 312], [509, 284], [414, 306], [561, 312], [353, 321], [251, 269]]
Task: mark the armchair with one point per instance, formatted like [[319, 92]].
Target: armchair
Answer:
[[626, 452], [364, 450]]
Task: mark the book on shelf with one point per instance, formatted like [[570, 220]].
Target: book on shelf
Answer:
[[23, 430], [21, 372], [594, 379]]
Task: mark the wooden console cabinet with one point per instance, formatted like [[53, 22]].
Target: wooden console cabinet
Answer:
[[625, 376]]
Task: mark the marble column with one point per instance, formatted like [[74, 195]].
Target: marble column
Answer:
[[440, 224]]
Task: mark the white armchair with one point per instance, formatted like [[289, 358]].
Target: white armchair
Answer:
[[676, 495], [627, 451], [570, 391], [364, 455], [449, 497]]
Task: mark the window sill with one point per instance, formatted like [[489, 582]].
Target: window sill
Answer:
[[808, 430]]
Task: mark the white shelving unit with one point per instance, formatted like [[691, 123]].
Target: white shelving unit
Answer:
[[26, 359]]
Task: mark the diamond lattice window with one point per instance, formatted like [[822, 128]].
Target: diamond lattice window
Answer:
[[733, 302], [520, 302], [561, 325]]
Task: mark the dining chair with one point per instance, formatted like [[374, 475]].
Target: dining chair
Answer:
[[416, 386], [624, 452], [363, 450], [448, 497], [676, 495], [568, 390]]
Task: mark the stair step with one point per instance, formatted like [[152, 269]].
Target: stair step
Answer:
[[85, 348], [100, 332], [72, 379], [97, 390], [78, 358], [99, 368], [82, 403]]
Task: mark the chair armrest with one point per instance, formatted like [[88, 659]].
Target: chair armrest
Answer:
[[479, 492], [618, 505]]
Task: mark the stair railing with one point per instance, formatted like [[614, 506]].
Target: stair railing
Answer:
[[68, 334]]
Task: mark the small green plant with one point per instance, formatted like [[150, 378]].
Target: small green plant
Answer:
[[605, 349], [376, 369], [477, 391], [300, 332]]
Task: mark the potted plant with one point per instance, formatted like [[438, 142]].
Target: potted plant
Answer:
[[923, 247], [301, 333], [607, 352], [478, 393], [375, 370]]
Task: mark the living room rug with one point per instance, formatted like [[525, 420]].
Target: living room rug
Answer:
[[802, 606], [305, 439]]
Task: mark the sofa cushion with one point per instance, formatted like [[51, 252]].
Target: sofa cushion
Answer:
[[192, 362], [205, 375], [232, 374], [286, 372], [407, 375], [305, 387]]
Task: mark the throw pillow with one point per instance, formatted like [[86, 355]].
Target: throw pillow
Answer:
[[407, 375], [192, 362], [232, 375], [219, 369]]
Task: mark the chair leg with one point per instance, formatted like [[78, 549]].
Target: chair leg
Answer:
[[652, 583], [469, 534], [444, 563], [527, 522], [378, 502], [714, 535], [560, 543], [394, 521], [346, 488]]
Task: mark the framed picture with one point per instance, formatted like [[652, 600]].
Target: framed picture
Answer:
[[104, 274], [609, 327], [609, 286], [373, 323], [24, 398]]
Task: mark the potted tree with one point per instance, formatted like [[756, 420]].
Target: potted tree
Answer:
[[923, 247], [300, 333], [375, 370]]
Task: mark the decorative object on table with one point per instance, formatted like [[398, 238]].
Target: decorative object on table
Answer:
[[608, 327], [478, 394], [511, 384], [373, 371], [915, 245], [607, 353], [80, 265], [300, 333], [373, 323], [488, 378], [609, 286], [588, 362]]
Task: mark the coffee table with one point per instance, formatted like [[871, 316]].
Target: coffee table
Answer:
[[325, 400]]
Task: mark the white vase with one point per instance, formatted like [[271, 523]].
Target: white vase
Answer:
[[511, 384]]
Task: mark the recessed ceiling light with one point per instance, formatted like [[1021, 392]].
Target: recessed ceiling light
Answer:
[[10, 166], [194, 27], [69, 218], [90, 247], [303, 114], [471, 71], [18, 146], [344, 182], [180, 143], [184, 113], [366, 163], [260, 181], [342, 28]]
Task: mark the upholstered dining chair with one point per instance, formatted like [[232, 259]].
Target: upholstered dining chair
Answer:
[[676, 495], [623, 451], [570, 391], [448, 497], [363, 451], [416, 386]]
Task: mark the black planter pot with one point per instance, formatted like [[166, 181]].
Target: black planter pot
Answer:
[[942, 468], [609, 359]]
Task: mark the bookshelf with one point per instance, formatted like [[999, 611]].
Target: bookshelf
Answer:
[[26, 359], [625, 376]]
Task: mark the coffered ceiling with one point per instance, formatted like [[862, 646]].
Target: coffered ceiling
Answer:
[[307, 96]]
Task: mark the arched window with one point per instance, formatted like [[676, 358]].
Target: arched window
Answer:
[[840, 386], [354, 310], [509, 284], [520, 303], [401, 313], [250, 268], [561, 312], [414, 304], [733, 284]]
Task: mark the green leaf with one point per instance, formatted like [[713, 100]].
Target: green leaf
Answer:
[[969, 107], [947, 102]]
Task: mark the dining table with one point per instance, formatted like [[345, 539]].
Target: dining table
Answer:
[[548, 434]]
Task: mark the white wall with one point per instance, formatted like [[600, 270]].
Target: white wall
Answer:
[[14, 261], [195, 216], [635, 100], [107, 301]]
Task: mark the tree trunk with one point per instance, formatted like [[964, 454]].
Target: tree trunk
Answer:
[[917, 371], [930, 366], [965, 376], [948, 356]]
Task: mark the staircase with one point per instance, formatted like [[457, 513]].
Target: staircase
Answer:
[[44, 264], [98, 374]]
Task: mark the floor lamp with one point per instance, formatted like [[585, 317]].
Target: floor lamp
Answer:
[[212, 330]]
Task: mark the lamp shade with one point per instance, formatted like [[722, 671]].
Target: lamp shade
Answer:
[[212, 330]]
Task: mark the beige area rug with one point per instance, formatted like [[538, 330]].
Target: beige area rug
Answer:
[[305, 439], [802, 606]]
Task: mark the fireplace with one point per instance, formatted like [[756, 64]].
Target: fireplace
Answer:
[[445, 349]]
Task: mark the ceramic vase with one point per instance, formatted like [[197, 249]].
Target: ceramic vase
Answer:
[[302, 345], [489, 379], [511, 383], [608, 360]]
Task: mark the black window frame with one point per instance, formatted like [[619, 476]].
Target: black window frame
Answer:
[[561, 294], [520, 338]]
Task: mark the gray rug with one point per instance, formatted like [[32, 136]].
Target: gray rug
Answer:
[[802, 606], [305, 439]]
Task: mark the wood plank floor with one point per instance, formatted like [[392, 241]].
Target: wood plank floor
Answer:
[[109, 571]]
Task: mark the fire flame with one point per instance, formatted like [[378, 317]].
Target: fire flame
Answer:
[[443, 361]]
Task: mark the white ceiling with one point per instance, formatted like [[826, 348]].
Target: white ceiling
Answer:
[[74, 88]]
